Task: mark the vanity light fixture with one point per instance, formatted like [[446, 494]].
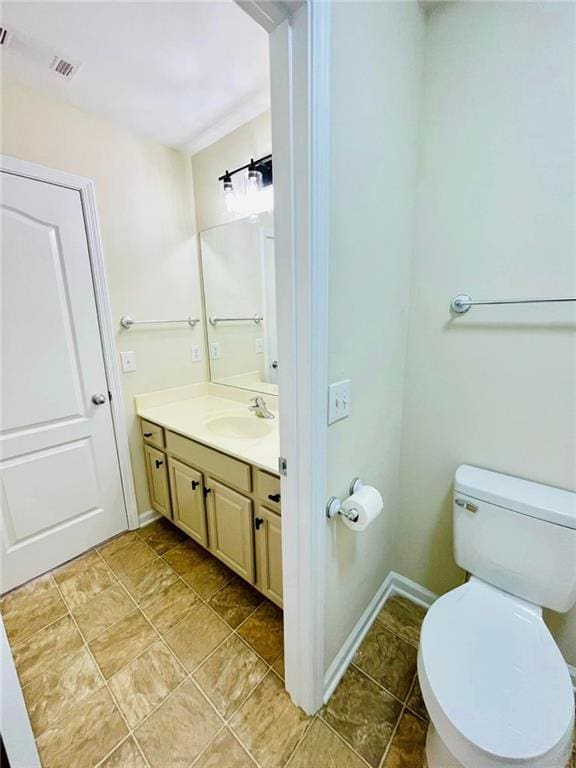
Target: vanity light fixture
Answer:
[[251, 192]]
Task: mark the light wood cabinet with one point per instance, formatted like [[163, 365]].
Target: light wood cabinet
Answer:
[[212, 497], [268, 530], [188, 510], [230, 528], [157, 480]]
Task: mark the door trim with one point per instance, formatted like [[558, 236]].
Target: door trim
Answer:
[[299, 35], [85, 187]]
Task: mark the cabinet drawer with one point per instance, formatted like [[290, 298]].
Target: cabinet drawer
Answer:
[[267, 488], [152, 433], [212, 462]]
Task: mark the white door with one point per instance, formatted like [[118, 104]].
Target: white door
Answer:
[[61, 487]]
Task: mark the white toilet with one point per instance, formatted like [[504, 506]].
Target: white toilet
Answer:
[[495, 684]]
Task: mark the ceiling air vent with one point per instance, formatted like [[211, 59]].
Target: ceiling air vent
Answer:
[[63, 67]]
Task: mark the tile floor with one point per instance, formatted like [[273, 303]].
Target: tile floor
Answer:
[[147, 652]]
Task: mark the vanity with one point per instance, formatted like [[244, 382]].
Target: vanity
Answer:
[[210, 464], [211, 460]]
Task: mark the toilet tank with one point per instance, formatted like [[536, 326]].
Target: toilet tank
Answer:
[[518, 535]]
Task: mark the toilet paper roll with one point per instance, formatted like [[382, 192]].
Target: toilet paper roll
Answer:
[[367, 502]]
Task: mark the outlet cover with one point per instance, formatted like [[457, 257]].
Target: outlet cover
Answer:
[[214, 350], [338, 401], [259, 346], [128, 361], [196, 353]]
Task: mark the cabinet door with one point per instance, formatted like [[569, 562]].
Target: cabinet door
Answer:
[[188, 509], [230, 528], [157, 480], [268, 527]]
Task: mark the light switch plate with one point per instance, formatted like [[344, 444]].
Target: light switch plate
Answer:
[[259, 345], [338, 401], [128, 361], [214, 350], [196, 353]]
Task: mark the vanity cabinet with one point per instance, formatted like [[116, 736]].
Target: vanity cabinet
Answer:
[[230, 528], [157, 480], [187, 490], [226, 505]]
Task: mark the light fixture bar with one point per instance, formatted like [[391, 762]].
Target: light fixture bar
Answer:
[[261, 161]]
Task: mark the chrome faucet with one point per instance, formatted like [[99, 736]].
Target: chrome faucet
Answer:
[[259, 408]]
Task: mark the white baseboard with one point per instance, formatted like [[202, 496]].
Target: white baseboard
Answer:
[[148, 517], [393, 584]]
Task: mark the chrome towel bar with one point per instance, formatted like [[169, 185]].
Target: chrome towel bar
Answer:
[[462, 303], [127, 322], [213, 320]]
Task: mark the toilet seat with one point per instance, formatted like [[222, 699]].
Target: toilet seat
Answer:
[[494, 681]]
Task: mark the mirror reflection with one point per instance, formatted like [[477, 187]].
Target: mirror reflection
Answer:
[[240, 303]]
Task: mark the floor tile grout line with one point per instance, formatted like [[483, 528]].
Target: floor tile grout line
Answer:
[[394, 632], [105, 683], [410, 709], [392, 735], [339, 735], [188, 675], [309, 725], [383, 687], [235, 732]]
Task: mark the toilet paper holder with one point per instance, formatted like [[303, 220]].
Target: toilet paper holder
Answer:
[[334, 505]]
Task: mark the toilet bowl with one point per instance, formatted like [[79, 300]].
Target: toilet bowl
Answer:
[[494, 682]]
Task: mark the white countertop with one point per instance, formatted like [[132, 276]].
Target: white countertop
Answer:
[[191, 418]]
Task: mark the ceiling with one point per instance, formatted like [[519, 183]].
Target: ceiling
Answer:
[[183, 74]]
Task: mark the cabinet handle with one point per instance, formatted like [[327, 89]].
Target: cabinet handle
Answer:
[[207, 491], [258, 522], [195, 484], [158, 463], [274, 497], [148, 434]]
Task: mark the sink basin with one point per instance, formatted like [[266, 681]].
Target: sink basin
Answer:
[[247, 427]]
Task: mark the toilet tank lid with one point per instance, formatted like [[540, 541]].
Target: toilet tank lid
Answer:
[[544, 502]]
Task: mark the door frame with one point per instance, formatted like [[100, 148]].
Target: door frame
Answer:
[[299, 36], [85, 188]]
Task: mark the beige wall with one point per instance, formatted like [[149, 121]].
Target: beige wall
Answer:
[[253, 139], [375, 51], [145, 201], [496, 388]]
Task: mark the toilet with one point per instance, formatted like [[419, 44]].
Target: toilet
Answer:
[[494, 682]]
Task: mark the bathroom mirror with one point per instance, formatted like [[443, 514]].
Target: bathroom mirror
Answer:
[[240, 303]]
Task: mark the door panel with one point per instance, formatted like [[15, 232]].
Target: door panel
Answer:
[[188, 508], [269, 554], [230, 528], [59, 468], [158, 480]]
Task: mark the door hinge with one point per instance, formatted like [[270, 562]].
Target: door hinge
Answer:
[[283, 466], [109, 395]]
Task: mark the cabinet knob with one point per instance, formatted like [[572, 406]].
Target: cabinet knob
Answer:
[[158, 463], [195, 484], [148, 434], [274, 497], [207, 491], [258, 522]]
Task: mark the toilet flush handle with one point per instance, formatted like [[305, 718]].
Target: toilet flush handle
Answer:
[[467, 505]]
